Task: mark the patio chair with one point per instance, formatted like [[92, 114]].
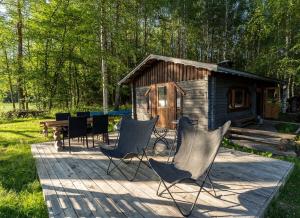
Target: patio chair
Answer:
[[134, 138], [77, 128], [192, 162], [182, 123], [62, 116], [100, 126]]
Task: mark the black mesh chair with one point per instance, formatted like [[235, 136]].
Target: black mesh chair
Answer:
[[134, 138], [100, 126], [62, 116], [83, 114], [192, 162], [77, 128]]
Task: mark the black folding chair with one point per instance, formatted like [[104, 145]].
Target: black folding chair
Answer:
[[183, 122], [83, 114], [62, 116], [77, 128], [100, 126], [134, 138], [118, 126], [192, 162]]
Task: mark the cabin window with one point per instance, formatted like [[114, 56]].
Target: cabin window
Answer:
[[238, 99], [162, 96]]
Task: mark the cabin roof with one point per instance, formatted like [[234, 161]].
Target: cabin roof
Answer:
[[211, 67]]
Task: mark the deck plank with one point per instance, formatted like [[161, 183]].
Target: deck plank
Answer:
[[76, 184]]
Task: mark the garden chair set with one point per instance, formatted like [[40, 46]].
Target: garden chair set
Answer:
[[78, 127], [193, 158]]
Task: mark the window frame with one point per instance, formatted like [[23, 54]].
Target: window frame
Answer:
[[231, 104]]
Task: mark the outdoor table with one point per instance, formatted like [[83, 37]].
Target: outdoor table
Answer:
[[57, 127], [160, 134]]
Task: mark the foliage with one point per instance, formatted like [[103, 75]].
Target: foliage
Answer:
[[286, 127], [64, 42]]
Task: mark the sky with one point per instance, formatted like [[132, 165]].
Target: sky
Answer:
[[2, 9]]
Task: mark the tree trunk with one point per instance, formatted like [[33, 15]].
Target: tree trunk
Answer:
[[20, 76], [103, 63], [9, 80]]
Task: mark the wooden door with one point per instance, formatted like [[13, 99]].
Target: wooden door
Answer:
[[271, 103], [163, 104]]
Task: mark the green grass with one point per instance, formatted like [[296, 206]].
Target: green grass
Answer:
[[287, 204], [20, 190]]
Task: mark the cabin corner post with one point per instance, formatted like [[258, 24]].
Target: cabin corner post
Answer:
[[133, 100]]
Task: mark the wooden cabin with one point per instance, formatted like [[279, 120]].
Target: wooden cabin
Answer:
[[210, 93]]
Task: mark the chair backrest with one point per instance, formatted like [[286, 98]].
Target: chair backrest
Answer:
[[198, 149], [183, 123], [96, 113], [77, 126], [100, 124], [135, 135], [83, 114], [62, 116]]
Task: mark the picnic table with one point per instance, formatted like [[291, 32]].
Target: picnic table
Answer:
[[57, 127]]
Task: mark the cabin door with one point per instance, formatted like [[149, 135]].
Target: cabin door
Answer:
[[271, 103], [163, 97]]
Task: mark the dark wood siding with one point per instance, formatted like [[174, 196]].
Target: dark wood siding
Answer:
[[162, 72], [218, 105]]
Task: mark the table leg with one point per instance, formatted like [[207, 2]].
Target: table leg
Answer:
[[57, 138]]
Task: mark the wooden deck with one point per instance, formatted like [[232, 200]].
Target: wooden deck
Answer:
[[76, 185]]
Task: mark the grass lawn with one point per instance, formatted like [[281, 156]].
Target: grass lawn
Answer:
[[21, 193], [20, 190]]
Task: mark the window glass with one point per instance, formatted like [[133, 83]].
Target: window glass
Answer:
[[178, 100], [162, 96], [239, 98]]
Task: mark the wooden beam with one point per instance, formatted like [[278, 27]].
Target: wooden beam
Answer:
[[148, 91], [179, 88]]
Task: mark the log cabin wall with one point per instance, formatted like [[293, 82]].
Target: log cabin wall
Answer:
[[192, 80]]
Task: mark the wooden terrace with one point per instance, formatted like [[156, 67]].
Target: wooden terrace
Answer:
[[76, 185]]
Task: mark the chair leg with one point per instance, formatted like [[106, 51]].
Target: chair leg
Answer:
[[93, 140], [116, 166], [212, 185], [177, 205], [107, 135], [87, 142], [69, 145]]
